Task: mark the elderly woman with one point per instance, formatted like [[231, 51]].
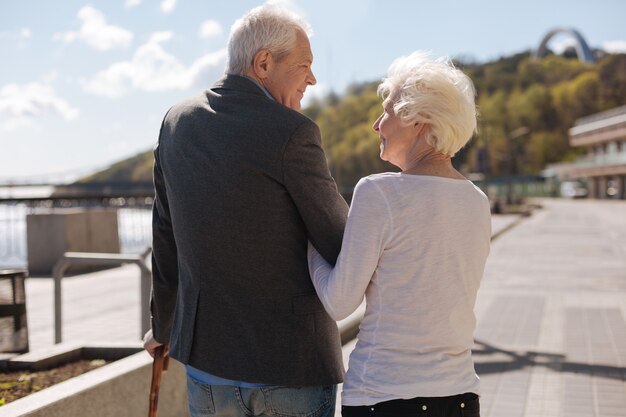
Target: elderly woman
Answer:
[[415, 246]]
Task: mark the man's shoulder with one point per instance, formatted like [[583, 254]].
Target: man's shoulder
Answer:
[[254, 110], [276, 120], [189, 105], [251, 97], [279, 112]]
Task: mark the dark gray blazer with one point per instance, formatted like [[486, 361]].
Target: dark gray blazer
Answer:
[[241, 184]]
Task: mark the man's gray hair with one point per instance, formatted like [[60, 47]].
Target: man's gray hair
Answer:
[[264, 27]]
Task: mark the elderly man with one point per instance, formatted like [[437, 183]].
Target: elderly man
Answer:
[[241, 185]]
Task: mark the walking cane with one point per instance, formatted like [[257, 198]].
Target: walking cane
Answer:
[[160, 364]]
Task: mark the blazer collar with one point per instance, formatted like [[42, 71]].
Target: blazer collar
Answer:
[[239, 83]]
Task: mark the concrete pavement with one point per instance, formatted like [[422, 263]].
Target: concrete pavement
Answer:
[[551, 334]]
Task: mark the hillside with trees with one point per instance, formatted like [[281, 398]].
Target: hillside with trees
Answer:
[[540, 98], [137, 168]]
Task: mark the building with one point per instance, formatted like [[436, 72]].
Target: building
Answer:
[[603, 169]]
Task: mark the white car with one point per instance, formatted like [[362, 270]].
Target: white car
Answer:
[[573, 189]]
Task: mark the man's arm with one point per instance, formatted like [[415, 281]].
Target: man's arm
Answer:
[[314, 191], [164, 257]]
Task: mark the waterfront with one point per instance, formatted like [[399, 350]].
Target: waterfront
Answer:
[[134, 227], [550, 311]]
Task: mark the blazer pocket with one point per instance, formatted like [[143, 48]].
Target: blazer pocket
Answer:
[[306, 304]]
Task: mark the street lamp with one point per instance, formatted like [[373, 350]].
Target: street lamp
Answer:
[[510, 137]]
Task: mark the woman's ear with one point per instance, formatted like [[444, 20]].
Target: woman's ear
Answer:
[[262, 63], [421, 129]]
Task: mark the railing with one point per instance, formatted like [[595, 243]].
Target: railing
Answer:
[[600, 160], [600, 116], [134, 222], [520, 187], [100, 259]]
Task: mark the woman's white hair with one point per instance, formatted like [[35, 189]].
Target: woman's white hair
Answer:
[[264, 27], [436, 93]]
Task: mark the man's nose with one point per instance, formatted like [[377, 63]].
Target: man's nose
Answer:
[[311, 78]]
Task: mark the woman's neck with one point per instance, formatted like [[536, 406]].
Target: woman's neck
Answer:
[[436, 164]]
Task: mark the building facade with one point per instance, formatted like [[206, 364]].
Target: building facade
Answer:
[[603, 168]]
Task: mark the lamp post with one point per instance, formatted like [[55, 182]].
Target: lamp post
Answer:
[[510, 137]]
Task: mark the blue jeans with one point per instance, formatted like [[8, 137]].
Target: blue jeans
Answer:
[[228, 401]]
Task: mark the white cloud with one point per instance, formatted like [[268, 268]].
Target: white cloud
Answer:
[[132, 3], [95, 32], [209, 29], [19, 104], [614, 47], [152, 68], [559, 46], [167, 6], [160, 37], [26, 33]]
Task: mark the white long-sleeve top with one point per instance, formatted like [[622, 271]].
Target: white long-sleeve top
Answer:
[[415, 246]]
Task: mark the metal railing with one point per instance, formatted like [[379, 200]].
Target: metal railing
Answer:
[[134, 222], [101, 259], [617, 158]]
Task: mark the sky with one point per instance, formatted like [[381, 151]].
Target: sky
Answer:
[[85, 84]]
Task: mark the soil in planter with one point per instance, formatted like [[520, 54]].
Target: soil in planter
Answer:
[[18, 384]]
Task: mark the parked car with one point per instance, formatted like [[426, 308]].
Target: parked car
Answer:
[[573, 189]]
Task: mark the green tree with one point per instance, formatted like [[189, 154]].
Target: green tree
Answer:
[[612, 88]]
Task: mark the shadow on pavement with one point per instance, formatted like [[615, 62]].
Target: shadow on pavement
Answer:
[[510, 360]]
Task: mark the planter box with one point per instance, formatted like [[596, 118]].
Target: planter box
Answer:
[[119, 389], [52, 233]]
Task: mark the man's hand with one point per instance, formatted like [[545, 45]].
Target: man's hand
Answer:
[[150, 344]]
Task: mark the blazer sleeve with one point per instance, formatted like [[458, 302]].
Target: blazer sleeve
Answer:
[[313, 190], [164, 257]]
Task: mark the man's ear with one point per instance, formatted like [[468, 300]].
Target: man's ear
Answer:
[[262, 63]]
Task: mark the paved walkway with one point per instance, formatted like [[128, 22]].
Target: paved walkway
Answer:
[[551, 335]]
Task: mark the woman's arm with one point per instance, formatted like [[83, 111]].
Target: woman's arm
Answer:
[[341, 289]]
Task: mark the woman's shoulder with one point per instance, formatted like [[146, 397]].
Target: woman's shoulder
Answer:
[[380, 179], [376, 186]]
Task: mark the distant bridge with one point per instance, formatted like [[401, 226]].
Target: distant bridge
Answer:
[[11, 192], [30, 184], [83, 185], [582, 48]]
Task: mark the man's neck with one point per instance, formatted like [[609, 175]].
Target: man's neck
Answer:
[[249, 75]]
